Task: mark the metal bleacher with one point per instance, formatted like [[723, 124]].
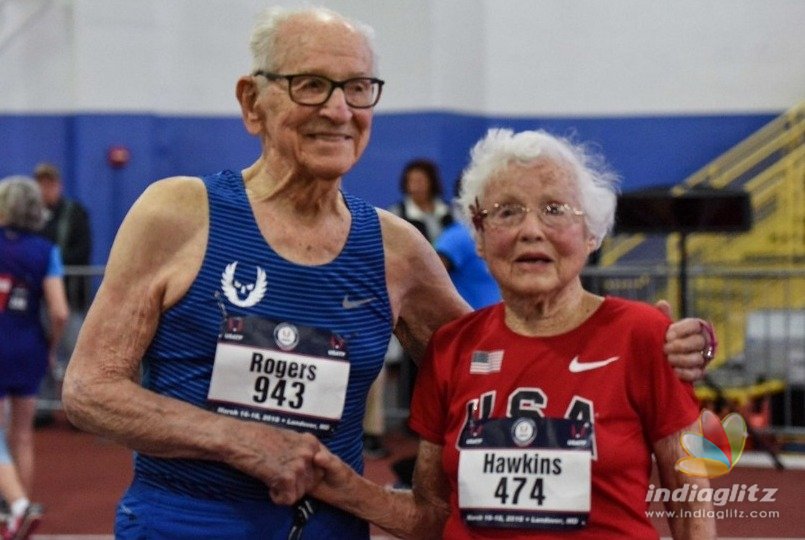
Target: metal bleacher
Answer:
[[752, 284]]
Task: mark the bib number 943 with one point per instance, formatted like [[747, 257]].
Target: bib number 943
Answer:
[[282, 391]]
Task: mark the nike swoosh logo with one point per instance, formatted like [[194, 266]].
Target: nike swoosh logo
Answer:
[[346, 303], [577, 367]]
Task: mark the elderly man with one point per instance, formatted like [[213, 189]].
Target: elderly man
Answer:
[[259, 303]]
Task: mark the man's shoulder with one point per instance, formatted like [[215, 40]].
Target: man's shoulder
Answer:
[[394, 224], [175, 202], [176, 186]]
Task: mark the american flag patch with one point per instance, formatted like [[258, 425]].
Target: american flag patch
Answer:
[[486, 362]]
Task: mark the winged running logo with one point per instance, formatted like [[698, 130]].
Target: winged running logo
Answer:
[[234, 289]]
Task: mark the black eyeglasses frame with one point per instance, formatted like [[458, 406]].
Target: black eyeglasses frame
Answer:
[[333, 85]]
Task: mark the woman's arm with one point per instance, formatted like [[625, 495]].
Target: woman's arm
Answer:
[[418, 514], [683, 525], [57, 310]]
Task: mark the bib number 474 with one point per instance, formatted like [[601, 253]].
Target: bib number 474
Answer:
[[510, 489]]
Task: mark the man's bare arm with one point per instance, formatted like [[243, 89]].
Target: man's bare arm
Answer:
[[422, 296], [155, 257]]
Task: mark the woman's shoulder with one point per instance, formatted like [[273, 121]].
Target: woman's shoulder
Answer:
[[469, 324], [615, 306]]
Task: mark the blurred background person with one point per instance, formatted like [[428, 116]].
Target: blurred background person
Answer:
[[422, 204], [374, 420], [66, 225], [31, 273], [468, 271], [18, 516]]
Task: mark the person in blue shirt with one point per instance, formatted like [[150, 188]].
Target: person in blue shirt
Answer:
[[31, 273], [467, 270]]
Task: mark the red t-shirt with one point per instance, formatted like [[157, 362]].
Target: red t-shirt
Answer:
[[634, 401]]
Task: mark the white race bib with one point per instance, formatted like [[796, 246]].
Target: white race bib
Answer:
[[525, 473], [281, 374]]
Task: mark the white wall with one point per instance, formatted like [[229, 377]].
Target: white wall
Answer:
[[636, 56], [497, 57]]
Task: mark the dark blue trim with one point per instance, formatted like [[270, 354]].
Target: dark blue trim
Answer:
[[646, 151]]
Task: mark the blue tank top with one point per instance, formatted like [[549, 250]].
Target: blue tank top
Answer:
[[179, 360], [24, 262]]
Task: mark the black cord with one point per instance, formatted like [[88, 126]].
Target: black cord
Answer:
[[303, 511], [757, 440]]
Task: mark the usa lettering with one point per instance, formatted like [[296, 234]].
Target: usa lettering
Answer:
[[282, 368], [527, 463]]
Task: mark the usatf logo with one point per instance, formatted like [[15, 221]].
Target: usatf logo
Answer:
[[716, 450], [235, 290], [524, 431], [286, 336]]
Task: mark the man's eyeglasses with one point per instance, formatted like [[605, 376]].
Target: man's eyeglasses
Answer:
[[314, 90], [504, 215]]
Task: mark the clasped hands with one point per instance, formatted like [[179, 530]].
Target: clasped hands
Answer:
[[304, 465]]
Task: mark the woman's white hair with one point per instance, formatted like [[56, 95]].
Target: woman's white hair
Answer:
[[266, 47], [21, 203], [596, 182]]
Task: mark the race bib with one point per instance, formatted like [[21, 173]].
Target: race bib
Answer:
[[525, 473], [281, 374], [13, 296]]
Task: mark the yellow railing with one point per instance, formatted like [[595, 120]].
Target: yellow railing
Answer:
[[770, 166]]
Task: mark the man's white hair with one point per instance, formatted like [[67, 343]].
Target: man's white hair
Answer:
[[264, 43]]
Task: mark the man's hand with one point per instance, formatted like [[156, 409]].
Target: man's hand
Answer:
[[296, 472], [282, 459], [689, 345]]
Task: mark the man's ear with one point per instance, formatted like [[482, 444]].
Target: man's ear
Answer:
[[246, 91]]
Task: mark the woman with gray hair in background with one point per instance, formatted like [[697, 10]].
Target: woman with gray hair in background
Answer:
[[31, 272], [539, 416]]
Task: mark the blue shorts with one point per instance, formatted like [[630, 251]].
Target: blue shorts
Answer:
[[21, 387], [23, 362], [147, 512]]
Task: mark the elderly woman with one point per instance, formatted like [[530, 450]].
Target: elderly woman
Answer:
[[538, 416], [30, 272]]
